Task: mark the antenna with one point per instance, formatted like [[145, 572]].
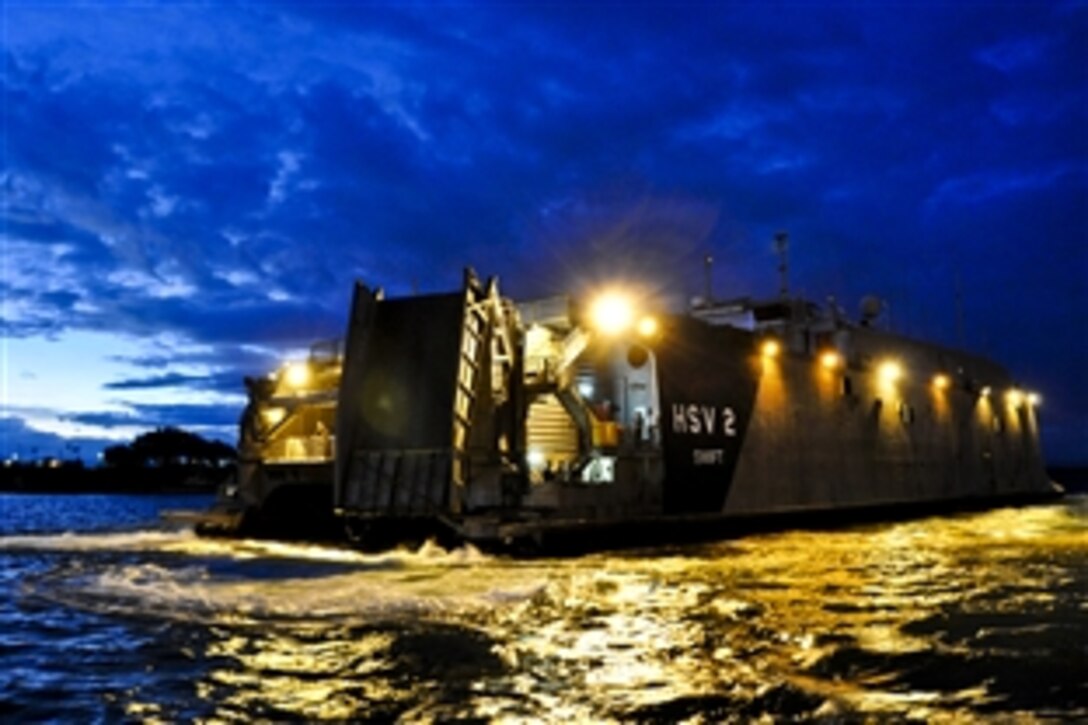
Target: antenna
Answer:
[[959, 308], [782, 247], [708, 271]]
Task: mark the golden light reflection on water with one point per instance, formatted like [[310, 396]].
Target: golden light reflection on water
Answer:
[[284, 674], [735, 617], [943, 618]]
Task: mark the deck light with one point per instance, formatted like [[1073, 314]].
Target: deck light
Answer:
[[297, 375], [1015, 397], [985, 391], [1034, 399], [941, 381], [830, 359], [890, 371], [647, 326], [535, 459], [612, 313], [273, 416], [770, 348]]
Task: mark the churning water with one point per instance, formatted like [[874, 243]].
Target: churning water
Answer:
[[106, 615]]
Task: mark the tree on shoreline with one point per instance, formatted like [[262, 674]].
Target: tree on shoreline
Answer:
[[168, 447]]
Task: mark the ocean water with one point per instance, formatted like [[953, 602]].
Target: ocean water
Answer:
[[108, 615]]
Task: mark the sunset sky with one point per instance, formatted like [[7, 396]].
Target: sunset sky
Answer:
[[190, 189]]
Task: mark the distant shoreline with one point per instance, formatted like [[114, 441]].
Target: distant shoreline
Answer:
[[76, 479]]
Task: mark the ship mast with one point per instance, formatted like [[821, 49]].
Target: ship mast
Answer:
[[782, 246], [708, 272]]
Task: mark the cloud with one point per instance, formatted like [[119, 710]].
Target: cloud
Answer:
[[19, 439], [225, 382], [579, 243], [193, 416], [983, 187], [1015, 54]]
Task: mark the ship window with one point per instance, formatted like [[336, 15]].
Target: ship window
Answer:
[[847, 386], [906, 413], [637, 356]]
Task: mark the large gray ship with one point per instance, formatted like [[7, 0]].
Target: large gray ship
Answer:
[[601, 422]]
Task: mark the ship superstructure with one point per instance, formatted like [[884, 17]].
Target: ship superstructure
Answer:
[[286, 444]]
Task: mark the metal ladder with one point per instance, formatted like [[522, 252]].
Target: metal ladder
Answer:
[[475, 326]]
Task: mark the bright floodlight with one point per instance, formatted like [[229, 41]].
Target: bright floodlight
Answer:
[[297, 375], [770, 348], [890, 371], [941, 381], [1015, 397], [1034, 399], [612, 313]]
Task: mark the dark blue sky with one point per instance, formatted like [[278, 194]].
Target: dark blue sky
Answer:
[[190, 189]]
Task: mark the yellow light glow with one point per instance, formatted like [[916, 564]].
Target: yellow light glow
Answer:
[[890, 371], [941, 381], [985, 392], [770, 348], [1015, 397], [612, 313], [830, 359], [1034, 399], [297, 375], [273, 416], [647, 326]]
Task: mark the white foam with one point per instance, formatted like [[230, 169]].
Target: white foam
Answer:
[[196, 593], [268, 579], [186, 542], [109, 541]]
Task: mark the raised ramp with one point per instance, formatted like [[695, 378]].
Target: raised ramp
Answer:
[[399, 483], [412, 370]]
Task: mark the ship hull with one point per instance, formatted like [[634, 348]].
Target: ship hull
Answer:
[[559, 536]]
